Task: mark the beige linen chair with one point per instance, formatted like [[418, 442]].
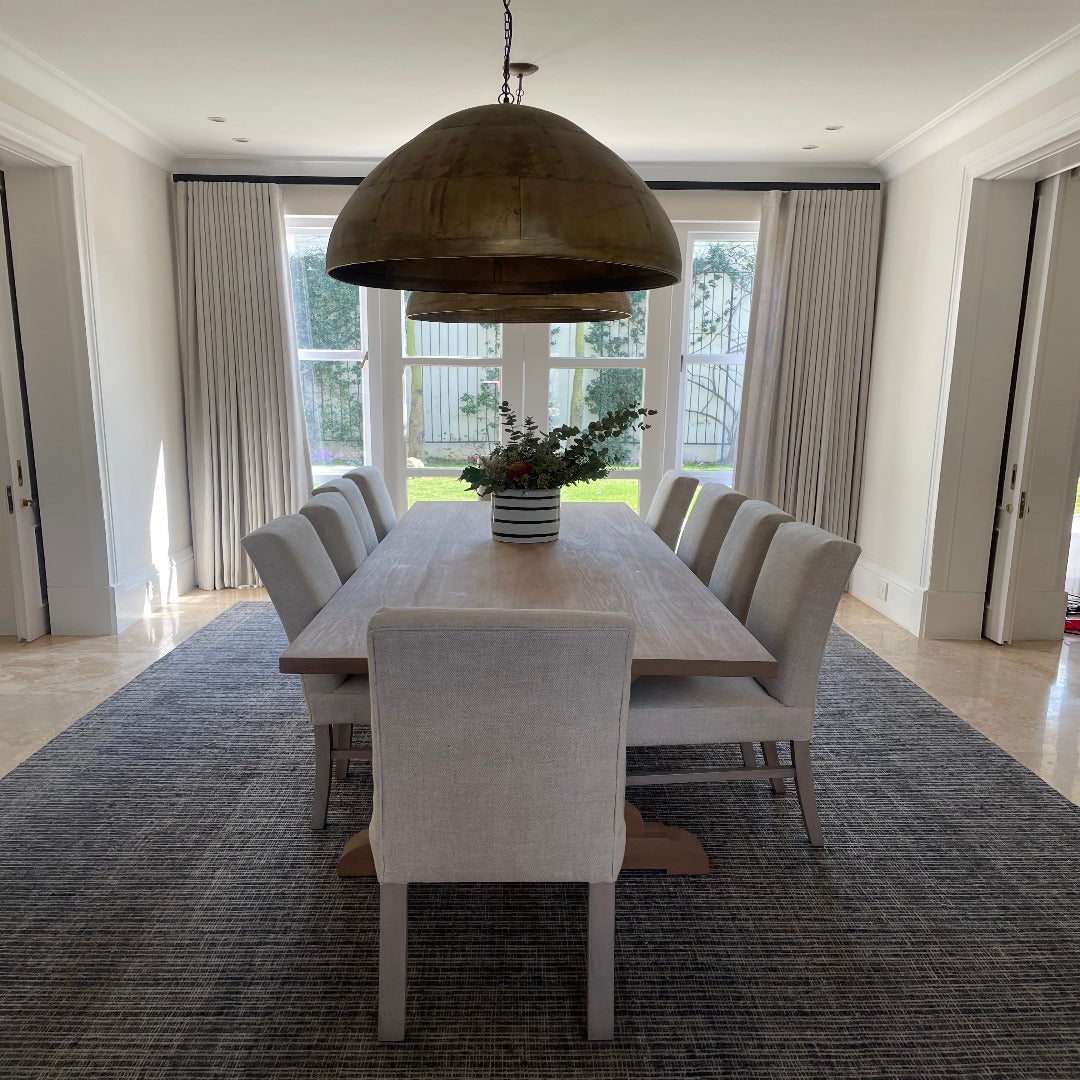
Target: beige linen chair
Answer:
[[804, 574], [348, 490], [707, 526], [742, 554], [377, 496], [499, 742], [670, 503], [338, 530], [300, 579]]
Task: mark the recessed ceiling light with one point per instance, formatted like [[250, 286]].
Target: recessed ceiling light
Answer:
[[216, 119], [834, 127], [240, 138], [811, 146]]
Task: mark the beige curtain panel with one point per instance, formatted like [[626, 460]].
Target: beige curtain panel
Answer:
[[802, 428], [246, 443]]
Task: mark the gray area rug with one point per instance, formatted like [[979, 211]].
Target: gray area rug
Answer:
[[166, 911]]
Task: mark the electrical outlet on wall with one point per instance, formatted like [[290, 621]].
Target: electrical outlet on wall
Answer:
[[881, 590]]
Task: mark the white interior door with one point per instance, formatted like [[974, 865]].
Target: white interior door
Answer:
[[22, 589], [1026, 597]]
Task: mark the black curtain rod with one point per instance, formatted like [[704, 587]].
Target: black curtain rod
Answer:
[[656, 185]]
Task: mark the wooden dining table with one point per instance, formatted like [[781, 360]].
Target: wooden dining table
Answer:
[[606, 558]]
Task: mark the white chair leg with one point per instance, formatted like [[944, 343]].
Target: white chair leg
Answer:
[[393, 959], [342, 741], [804, 785], [321, 797], [602, 960], [772, 757]]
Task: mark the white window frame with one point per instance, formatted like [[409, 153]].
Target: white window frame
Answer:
[[689, 233], [321, 225]]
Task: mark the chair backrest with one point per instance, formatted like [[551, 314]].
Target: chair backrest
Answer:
[[801, 582], [498, 744], [377, 496], [668, 509], [352, 496], [710, 518], [295, 569], [338, 530], [742, 553]]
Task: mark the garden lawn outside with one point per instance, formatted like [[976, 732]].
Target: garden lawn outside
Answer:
[[450, 489]]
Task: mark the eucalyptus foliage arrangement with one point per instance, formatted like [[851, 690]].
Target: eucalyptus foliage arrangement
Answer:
[[533, 459]]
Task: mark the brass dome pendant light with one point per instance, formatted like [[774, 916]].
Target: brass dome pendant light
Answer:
[[504, 199], [484, 307]]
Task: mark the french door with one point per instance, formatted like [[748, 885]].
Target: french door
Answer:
[[440, 385], [436, 387]]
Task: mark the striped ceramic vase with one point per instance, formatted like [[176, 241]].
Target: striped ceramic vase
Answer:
[[525, 517]]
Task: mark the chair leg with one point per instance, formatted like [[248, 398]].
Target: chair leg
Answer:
[[602, 960], [804, 785], [772, 757], [749, 755], [321, 798], [393, 959], [342, 741]]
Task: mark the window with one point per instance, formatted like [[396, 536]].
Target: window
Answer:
[[579, 395], [451, 406], [720, 279], [330, 348]]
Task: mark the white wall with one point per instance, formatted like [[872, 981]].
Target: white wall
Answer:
[[932, 426], [136, 494]]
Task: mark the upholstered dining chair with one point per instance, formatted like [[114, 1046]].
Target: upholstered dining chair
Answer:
[[791, 612], [738, 563], [377, 496], [338, 530], [707, 526], [300, 579], [552, 683], [351, 494], [667, 511]]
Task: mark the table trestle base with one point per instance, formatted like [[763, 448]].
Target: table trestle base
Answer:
[[650, 845]]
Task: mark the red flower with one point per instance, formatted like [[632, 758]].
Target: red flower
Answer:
[[518, 468]]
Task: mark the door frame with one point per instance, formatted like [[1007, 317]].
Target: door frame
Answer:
[[85, 605], [972, 403]]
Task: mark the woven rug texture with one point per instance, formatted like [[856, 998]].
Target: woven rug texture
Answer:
[[165, 910]]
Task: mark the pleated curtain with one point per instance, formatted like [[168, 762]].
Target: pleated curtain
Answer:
[[246, 443], [807, 377]]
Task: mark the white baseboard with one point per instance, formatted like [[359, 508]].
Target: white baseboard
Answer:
[[939, 616], [902, 601], [1039, 616], [953, 616], [81, 611], [8, 626], [183, 572], [145, 591]]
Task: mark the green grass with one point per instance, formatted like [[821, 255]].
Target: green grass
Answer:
[[449, 489]]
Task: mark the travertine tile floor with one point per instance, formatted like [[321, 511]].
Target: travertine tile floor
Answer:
[[48, 684], [1026, 697]]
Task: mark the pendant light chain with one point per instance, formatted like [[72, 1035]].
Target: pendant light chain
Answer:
[[507, 98]]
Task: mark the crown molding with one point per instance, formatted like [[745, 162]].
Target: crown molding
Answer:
[[1051, 64], [37, 76]]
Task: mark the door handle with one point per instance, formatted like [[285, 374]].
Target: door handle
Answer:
[[28, 502]]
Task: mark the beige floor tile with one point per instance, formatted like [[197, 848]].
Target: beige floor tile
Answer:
[[46, 685], [1025, 697]]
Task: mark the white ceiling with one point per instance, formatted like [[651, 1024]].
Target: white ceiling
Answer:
[[681, 80]]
